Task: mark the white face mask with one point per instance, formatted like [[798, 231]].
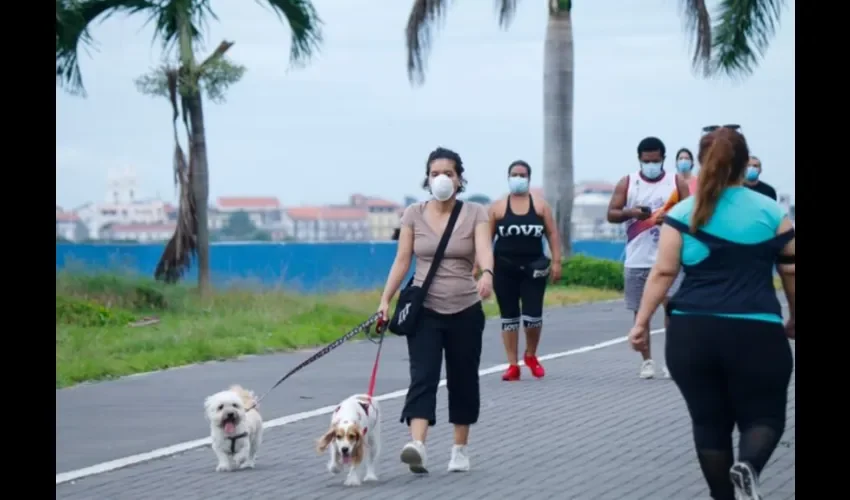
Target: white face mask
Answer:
[[652, 170], [442, 187], [518, 185]]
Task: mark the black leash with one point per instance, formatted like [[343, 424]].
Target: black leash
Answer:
[[362, 327]]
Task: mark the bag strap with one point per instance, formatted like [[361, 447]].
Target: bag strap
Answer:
[[441, 248]]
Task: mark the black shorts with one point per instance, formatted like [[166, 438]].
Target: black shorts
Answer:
[[520, 297]]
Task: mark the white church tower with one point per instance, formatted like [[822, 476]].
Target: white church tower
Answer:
[[122, 184]]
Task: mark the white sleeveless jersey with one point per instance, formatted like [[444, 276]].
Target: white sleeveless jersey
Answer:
[[642, 236]]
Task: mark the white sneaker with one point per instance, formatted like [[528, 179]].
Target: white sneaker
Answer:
[[413, 455], [746, 482], [647, 369], [460, 459], [665, 372]]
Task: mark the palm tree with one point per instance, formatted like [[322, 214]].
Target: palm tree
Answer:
[[731, 45], [179, 24]]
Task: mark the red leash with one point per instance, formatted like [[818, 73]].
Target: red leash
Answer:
[[380, 328]]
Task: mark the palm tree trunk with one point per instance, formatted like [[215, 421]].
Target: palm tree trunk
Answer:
[[558, 119], [199, 175]]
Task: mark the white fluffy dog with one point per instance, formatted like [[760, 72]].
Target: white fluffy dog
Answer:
[[354, 439], [236, 428]]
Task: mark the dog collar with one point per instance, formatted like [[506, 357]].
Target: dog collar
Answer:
[[233, 441]]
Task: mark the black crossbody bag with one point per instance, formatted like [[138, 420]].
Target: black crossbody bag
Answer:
[[412, 298]]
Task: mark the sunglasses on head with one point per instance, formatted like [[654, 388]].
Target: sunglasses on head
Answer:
[[711, 128]]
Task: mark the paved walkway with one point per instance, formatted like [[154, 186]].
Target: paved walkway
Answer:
[[598, 432]]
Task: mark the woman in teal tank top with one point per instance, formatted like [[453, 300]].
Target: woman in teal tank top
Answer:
[[726, 346]]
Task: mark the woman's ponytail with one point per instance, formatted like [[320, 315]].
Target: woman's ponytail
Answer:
[[723, 157]]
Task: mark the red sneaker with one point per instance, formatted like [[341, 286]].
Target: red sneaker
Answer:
[[535, 366], [511, 374]]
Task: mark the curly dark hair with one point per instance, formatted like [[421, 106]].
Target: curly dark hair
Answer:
[[651, 144], [445, 154]]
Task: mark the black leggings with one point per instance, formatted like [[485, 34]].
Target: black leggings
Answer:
[[731, 371], [460, 336], [519, 296]]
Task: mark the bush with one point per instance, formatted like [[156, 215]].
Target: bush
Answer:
[[581, 270], [118, 291], [74, 311]]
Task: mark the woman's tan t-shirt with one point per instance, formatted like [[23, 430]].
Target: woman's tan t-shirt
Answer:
[[453, 288]]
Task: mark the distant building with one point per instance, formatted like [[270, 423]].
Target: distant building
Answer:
[[138, 232], [121, 205], [329, 223], [266, 212], [382, 215], [69, 226], [590, 212]]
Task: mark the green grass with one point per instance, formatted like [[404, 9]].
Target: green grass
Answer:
[[94, 341]]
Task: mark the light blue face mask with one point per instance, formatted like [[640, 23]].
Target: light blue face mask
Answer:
[[518, 185], [752, 173], [651, 170], [684, 166]]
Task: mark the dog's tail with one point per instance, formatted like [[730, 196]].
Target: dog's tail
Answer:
[[249, 399]]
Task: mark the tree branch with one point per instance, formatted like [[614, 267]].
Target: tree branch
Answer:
[[218, 53]]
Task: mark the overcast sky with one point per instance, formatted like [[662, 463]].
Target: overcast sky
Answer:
[[351, 122]]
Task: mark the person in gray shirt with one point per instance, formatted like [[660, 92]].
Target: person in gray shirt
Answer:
[[452, 321]]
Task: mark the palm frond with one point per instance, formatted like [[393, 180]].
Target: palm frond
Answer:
[[304, 23], [419, 34], [69, 21], [183, 245], [742, 32], [73, 19], [698, 26], [170, 14], [507, 9]]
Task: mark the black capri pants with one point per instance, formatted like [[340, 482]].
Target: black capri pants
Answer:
[[520, 297], [730, 371], [459, 335]]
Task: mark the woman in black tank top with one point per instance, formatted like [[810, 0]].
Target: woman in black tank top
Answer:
[[519, 223]]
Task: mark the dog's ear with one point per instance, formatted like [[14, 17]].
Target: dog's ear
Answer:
[[325, 441]]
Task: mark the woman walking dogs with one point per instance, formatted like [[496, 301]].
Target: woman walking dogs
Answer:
[[519, 222], [447, 236], [726, 345]]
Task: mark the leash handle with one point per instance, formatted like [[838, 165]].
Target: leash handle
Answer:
[[322, 352], [381, 325], [380, 328]]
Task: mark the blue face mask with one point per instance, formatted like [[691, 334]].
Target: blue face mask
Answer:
[[518, 185], [651, 170], [684, 166], [752, 174]]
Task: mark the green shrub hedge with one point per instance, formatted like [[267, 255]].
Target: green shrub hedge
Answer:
[[119, 290], [81, 312], [102, 299], [581, 270]]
